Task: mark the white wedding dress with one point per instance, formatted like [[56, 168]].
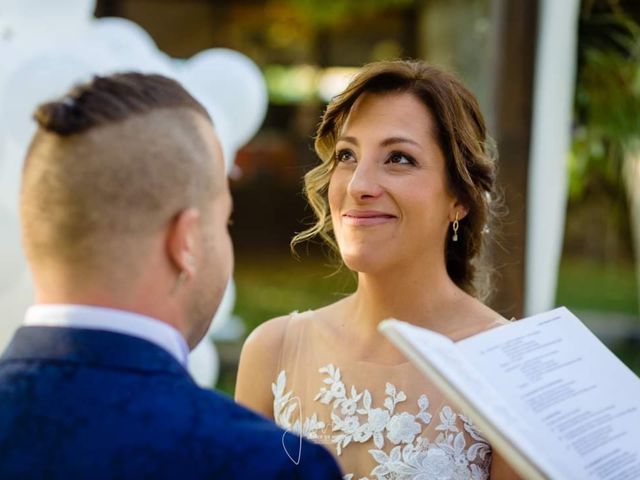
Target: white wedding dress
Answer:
[[380, 421]]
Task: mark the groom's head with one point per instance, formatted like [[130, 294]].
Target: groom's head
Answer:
[[125, 203]]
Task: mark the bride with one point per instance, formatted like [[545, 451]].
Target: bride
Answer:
[[403, 193]]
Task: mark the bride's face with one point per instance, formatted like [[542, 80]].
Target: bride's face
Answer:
[[388, 193]]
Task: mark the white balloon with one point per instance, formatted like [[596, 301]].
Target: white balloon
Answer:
[[46, 9], [133, 47], [204, 364], [13, 54], [236, 84], [47, 52], [159, 63], [225, 310], [40, 18], [12, 158], [43, 77], [232, 331], [12, 262], [220, 120], [124, 35], [14, 302]]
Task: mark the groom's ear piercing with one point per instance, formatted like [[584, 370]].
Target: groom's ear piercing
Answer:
[[182, 277]]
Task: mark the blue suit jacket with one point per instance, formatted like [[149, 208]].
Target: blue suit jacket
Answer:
[[78, 403]]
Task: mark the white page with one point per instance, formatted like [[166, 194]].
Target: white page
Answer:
[[569, 387], [469, 387]]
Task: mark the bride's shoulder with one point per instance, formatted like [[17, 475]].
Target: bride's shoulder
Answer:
[[261, 355], [266, 339], [258, 364], [264, 344], [476, 317]]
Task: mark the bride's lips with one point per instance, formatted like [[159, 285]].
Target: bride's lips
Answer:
[[366, 217]]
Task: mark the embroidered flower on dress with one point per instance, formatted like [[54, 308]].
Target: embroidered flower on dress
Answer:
[[436, 464], [348, 425], [355, 419], [377, 419], [448, 420], [348, 406], [403, 428], [336, 389], [423, 403], [285, 405]]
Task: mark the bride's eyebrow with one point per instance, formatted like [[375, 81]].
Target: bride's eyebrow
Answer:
[[348, 139], [393, 140], [384, 143]]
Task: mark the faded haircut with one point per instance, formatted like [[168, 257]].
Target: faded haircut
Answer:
[[112, 161]]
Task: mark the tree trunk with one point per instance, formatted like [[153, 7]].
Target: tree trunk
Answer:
[[515, 37]]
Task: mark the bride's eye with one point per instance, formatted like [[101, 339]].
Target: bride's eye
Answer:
[[344, 155], [399, 158]]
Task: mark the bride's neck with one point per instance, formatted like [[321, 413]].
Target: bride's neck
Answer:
[[418, 295]]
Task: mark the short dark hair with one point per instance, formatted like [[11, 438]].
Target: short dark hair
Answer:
[[113, 161], [111, 99]]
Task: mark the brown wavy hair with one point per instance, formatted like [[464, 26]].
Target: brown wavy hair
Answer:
[[462, 136]]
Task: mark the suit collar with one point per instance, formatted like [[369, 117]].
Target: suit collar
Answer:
[[90, 347], [111, 320]]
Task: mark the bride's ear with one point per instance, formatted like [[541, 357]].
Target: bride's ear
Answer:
[[458, 209]]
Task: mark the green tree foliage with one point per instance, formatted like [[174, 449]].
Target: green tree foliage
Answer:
[[607, 102]]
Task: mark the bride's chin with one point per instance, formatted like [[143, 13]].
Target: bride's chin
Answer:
[[362, 263]]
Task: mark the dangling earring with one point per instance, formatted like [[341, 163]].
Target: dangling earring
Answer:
[[456, 225]]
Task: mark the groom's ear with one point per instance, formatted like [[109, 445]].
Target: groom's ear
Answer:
[[182, 236]]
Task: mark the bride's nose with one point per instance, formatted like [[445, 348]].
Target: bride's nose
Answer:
[[365, 181]]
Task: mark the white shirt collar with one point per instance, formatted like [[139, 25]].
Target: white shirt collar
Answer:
[[111, 320]]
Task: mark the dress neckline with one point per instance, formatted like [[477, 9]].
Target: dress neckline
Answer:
[[367, 363], [374, 364]]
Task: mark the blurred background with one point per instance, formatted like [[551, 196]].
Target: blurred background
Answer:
[[308, 50]]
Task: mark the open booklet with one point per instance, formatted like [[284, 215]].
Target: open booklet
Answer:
[[544, 391]]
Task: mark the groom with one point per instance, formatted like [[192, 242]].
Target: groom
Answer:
[[124, 209]]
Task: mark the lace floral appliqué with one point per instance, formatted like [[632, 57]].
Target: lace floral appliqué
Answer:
[[400, 452]]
